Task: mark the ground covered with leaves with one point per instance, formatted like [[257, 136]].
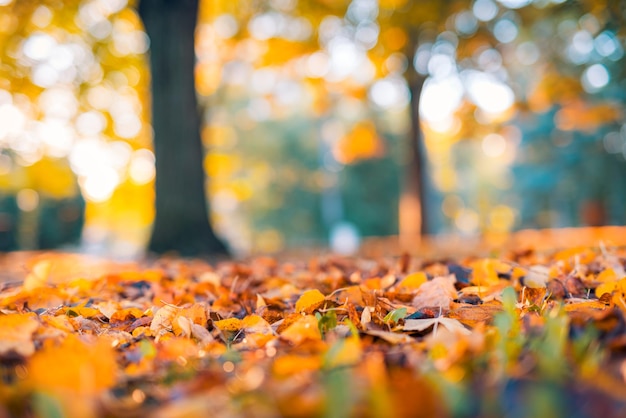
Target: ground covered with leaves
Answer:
[[525, 334]]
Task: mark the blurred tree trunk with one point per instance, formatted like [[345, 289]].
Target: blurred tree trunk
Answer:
[[181, 222], [413, 219]]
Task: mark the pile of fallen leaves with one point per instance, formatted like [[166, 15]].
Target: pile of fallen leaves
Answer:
[[527, 334]]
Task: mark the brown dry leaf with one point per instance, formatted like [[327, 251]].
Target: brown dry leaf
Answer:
[[163, 319], [185, 317], [439, 292], [537, 277], [390, 337], [201, 334], [472, 315], [16, 331], [450, 324], [351, 294], [107, 308]]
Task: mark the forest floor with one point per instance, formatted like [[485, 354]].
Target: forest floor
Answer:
[[527, 331]]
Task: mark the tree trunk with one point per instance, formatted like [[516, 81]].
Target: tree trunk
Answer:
[[181, 224], [413, 218]]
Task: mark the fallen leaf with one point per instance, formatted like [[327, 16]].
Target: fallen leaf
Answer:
[[163, 319], [38, 277], [390, 337], [309, 300], [345, 352], [201, 333], [230, 324], [82, 368], [413, 281], [303, 329], [439, 292], [450, 324], [16, 331]]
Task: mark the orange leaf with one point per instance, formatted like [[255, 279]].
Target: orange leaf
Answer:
[[347, 352], [309, 300], [38, 277], [291, 364], [16, 332], [413, 280], [230, 324], [303, 329], [607, 275], [485, 271], [73, 365]]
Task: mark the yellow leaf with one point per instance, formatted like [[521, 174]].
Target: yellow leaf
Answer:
[[607, 287], [84, 369], [485, 271], [230, 324], [348, 352], [125, 314], [309, 300], [413, 280], [260, 303], [195, 313], [81, 310], [16, 331], [177, 349], [303, 329], [256, 324], [38, 277], [61, 322], [291, 364], [607, 275], [182, 326], [573, 255]]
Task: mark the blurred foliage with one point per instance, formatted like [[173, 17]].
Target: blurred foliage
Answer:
[[306, 120]]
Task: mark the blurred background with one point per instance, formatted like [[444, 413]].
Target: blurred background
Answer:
[[323, 121]]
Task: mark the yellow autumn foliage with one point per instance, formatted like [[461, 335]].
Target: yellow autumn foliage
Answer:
[[73, 365], [309, 299]]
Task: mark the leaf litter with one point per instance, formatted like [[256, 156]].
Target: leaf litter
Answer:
[[329, 336]]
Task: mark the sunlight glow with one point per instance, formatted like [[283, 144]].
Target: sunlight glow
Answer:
[[390, 93], [12, 121], [595, 77], [494, 145], [38, 46], [57, 137], [142, 169], [100, 184], [515, 4], [441, 98], [505, 30], [27, 200], [485, 10], [488, 93]]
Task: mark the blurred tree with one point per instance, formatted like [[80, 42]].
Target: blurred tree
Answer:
[[181, 220], [414, 23]]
